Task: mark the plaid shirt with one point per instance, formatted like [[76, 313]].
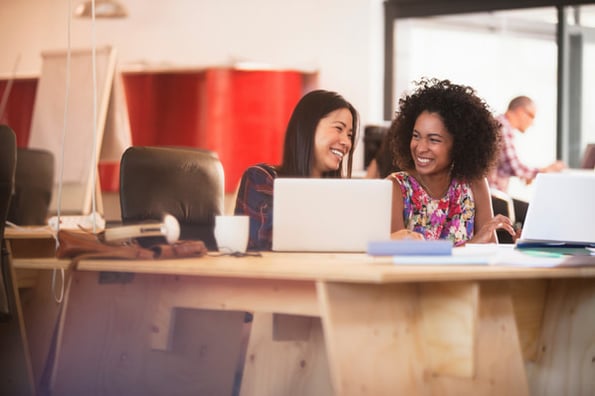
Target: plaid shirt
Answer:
[[255, 199], [509, 163]]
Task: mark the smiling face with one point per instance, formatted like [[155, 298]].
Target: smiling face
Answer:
[[431, 145], [332, 141]]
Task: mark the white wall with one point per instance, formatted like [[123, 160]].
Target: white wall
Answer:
[[500, 64], [341, 39]]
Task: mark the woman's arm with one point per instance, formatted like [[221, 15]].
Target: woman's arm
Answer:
[[486, 223], [398, 230], [255, 199]]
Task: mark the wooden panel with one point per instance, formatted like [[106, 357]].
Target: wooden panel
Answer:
[[15, 362], [372, 337], [291, 327], [565, 364], [386, 322], [449, 327], [529, 299], [499, 368], [40, 314], [289, 367], [105, 342], [346, 267], [229, 294], [33, 248]]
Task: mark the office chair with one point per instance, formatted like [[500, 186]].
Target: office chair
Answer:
[[184, 182], [34, 181], [588, 160], [187, 183], [503, 204]]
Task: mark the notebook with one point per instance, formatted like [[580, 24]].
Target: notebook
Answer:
[[330, 215], [561, 210]]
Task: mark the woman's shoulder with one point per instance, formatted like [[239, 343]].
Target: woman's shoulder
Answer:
[[260, 171], [476, 185], [400, 176], [256, 179]]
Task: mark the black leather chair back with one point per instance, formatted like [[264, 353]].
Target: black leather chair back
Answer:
[[34, 181], [187, 183], [503, 204], [8, 148]]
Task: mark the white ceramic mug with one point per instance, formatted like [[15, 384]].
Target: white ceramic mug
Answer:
[[231, 233]]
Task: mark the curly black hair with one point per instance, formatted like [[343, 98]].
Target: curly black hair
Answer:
[[467, 118]]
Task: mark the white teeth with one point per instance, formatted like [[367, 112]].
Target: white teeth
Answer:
[[423, 160], [337, 153]]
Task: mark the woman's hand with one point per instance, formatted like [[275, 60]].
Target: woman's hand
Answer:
[[484, 235], [406, 234]]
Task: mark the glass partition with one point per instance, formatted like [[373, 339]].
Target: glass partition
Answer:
[[502, 54]]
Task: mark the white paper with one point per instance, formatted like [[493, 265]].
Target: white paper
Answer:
[[492, 254]]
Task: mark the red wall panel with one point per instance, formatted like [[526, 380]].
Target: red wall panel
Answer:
[[240, 114], [19, 108], [246, 123]]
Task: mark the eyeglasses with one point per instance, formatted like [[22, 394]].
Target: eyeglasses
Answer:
[[530, 114]]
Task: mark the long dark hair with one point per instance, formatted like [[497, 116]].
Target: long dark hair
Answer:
[[298, 149]]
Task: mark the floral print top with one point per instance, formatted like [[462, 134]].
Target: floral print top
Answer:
[[450, 217]]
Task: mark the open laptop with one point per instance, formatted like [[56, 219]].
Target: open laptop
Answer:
[[330, 215], [562, 209]]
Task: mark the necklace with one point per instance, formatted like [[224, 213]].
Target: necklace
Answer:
[[429, 190]]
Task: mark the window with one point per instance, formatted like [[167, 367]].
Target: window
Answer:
[[503, 54]]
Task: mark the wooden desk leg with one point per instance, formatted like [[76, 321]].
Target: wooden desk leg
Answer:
[[566, 354], [377, 344], [286, 356], [528, 297], [15, 362], [40, 311], [372, 338]]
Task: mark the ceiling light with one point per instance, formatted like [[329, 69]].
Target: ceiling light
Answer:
[[103, 9]]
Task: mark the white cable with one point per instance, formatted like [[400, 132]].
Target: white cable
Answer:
[[94, 162], [65, 118], [60, 298]]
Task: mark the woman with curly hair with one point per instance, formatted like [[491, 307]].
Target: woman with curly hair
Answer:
[[445, 140]]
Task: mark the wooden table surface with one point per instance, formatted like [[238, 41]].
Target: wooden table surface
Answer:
[[356, 324], [338, 267], [324, 323]]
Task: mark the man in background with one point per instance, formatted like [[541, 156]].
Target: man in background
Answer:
[[518, 117]]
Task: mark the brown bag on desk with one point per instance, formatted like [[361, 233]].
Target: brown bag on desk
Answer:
[[180, 249], [78, 245], [74, 244]]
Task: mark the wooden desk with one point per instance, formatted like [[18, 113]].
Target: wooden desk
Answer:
[[27, 336], [343, 324]]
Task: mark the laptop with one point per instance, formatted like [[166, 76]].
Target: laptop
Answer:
[[330, 215], [561, 210]]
